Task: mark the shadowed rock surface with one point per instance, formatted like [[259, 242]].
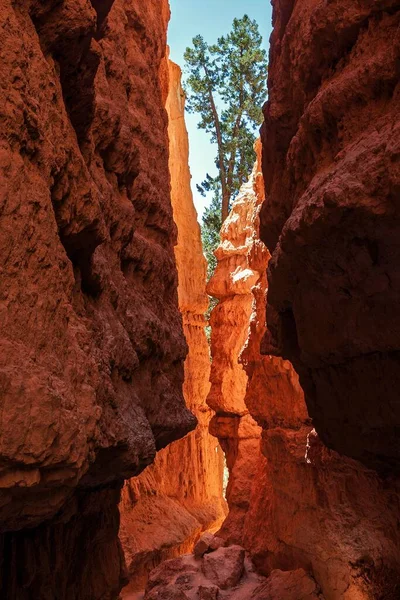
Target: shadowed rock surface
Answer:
[[91, 343], [91, 340], [226, 573], [331, 161], [293, 502]]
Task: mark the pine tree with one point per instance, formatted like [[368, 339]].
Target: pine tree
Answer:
[[226, 86]]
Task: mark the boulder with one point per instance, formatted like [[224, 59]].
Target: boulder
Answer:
[[168, 572], [225, 566], [207, 543]]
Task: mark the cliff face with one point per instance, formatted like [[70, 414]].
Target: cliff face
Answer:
[[293, 503], [165, 509], [242, 261], [332, 174], [91, 342]]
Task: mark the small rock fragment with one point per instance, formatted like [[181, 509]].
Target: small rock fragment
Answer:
[[216, 542], [208, 542], [225, 566], [203, 545]]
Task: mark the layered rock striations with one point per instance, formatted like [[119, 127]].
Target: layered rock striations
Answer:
[[241, 265], [165, 509], [331, 148], [294, 504], [91, 342]]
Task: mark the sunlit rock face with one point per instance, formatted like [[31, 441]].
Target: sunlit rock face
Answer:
[[164, 510], [294, 504], [91, 340], [242, 261], [331, 161]]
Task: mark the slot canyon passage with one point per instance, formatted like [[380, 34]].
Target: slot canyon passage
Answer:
[[117, 421]]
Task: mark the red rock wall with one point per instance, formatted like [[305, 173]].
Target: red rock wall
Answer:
[[331, 143], [242, 261], [293, 503], [164, 510], [91, 342]]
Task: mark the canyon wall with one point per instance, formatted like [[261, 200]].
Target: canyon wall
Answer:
[[293, 502], [164, 510], [241, 264], [331, 160], [91, 342]]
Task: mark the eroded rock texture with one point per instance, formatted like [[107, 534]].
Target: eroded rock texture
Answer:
[[242, 261], [91, 343], [332, 173], [294, 504], [248, 392], [222, 573], [226, 573], [164, 510]]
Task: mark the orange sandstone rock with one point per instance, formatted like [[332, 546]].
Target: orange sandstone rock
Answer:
[[331, 143], [296, 504], [242, 261], [164, 510], [91, 340]]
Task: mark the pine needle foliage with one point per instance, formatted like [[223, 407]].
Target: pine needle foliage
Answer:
[[226, 86]]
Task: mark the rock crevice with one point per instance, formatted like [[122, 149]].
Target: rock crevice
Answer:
[[294, 504], [165, 509]]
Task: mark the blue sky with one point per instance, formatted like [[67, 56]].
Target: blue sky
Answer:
[[210, 18]]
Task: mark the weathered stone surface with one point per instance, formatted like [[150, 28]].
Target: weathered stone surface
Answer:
[[298, 504], [242, 261], [210, 592], [288, 585], [170, 570], [225, 566], [203, 545], [331, 160], [170, 592], [237, 580], [91, 342], [197, 578], [76, 556], [165, 509]]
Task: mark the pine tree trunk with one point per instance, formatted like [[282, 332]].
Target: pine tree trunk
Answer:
[[225, 207]]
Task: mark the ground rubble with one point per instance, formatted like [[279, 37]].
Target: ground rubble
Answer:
[[216, 572]]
